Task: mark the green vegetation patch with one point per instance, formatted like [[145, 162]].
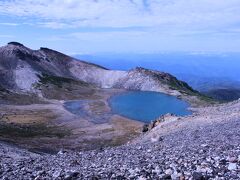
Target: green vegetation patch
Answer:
[[180, 86], [32, 130], [184, 88], [7, 97], [61, 88], [208, 99], [58, 81]]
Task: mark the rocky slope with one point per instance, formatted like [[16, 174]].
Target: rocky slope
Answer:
[[25, 70], [202, 146]]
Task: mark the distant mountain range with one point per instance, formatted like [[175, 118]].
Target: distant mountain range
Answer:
[[214, 65], [224, 94]]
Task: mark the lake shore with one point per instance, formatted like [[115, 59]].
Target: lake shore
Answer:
[[50, 127], [152, 105]]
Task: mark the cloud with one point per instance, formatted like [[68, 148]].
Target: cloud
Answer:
[[9, 24], [56, 25], [102, 36], [126, 13], [6, 36], [99, 37], [126, 24]]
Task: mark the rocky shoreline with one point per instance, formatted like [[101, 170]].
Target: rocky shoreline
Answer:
[[205, 145], [50, 127]]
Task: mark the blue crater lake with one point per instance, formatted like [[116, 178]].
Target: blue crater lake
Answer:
[[147, 106]]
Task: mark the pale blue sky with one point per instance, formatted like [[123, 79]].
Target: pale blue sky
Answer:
[[138, 26]]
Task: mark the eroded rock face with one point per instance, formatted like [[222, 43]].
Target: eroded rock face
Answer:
[[20, 68]]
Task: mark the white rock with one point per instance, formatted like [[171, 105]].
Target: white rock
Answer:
[[168, 171], [204, 145], [232, 166], [149, 150], [157, 170], [142, 178], [175, 175], [56, 174], [61, 152]]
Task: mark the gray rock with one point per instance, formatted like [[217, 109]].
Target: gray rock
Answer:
[[198, 176], [71, 175]]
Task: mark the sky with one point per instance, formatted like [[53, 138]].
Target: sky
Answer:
[[122, 26]]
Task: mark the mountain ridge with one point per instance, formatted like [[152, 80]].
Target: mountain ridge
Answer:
[[21, 69]]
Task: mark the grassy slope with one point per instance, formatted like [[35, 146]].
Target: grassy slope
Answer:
[[61, 88], [188, 93]]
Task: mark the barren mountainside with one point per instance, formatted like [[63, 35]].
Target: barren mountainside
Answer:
[[25, 70]]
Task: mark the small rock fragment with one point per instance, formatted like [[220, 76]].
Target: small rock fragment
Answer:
[[232, 166]]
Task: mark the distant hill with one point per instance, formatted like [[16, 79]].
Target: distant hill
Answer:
[[224, 94]]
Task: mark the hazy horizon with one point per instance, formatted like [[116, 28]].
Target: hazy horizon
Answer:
[[201, 71]]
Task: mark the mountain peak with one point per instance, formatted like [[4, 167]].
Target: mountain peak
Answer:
[[48, 50], [45, 49], [15, 44]]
